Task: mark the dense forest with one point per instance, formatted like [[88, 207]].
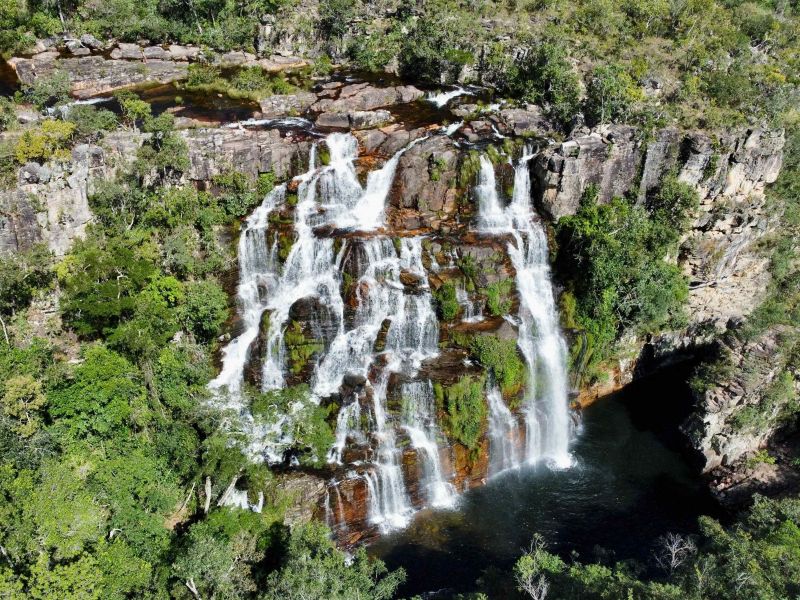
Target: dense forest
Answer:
[[117, 460]]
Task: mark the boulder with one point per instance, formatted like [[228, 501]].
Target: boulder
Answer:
[[88, 40], [281, 105], [127, 52], [155, 52]]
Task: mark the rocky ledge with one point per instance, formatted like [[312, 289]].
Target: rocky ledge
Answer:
[[95, 68]]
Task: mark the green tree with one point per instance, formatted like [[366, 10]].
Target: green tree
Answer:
[[611, 94], [315, 568], [103, 398], [23, 401]]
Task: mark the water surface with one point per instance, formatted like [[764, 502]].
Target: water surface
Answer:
[[630, 484]]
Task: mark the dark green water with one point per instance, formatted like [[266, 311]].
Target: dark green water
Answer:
[[631, 484]]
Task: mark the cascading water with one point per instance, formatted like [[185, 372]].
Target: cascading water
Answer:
[[419, 421], [258, 277], [503, 432], [540, 340]]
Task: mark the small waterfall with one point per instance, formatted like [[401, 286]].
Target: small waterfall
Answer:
[[419, 421], [441, 99], [472, 312], [258, 279], [503, 429], [540, 340]]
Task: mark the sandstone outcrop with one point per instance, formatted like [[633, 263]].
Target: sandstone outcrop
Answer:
[[740, 409]]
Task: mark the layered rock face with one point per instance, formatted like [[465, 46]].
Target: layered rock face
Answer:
[[741, 409], [50, 204], [94, 69]]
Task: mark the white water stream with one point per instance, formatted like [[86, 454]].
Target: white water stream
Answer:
[[548, 429]]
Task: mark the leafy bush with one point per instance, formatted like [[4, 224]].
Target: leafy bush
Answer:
[[612, 258], [499, 297], [446, 301], [48, 141], [205, 308], [501, 357], [543, 75], [48, 91], [611, 94], [466, 410], [90, 122]]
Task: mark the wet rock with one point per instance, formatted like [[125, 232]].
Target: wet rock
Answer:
[[424, 192]]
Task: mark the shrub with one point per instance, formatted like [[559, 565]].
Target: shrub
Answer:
[[90, 122], [498, 297], [466, 410], [48, 91], [446, 301], [502, 359], [48, 141], [611, 94], [7, 114], [543, 75], [205, 308], [612, 258]]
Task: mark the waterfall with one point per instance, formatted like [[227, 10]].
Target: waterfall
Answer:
[[539, 339], [419, 421], [393, 298], [441, 99], [472, 312], [257, 281], [503, 453]]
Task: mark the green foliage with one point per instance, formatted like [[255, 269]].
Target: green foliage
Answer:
[[205, 308], [612, 258], [8, 116], [21, 275], [48, 141], [466, 410], [300, 347], [23, 402], [314, 568], [611, 94], [544, 76], [446, 301], [48, 91], [239, 194], [90, 122], [503, 360], [436, 48], [251, 83], [103, 397], [499, 297]]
